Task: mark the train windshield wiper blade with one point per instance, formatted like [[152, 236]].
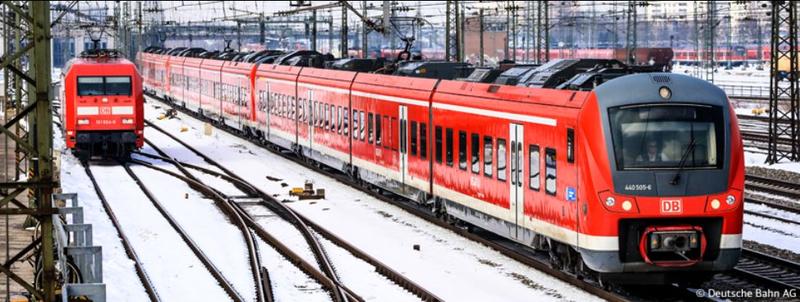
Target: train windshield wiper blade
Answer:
[[685, 155]]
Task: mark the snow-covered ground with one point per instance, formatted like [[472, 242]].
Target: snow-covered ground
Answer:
[[752, 159], [452, 267]]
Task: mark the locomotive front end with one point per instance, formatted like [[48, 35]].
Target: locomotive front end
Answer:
[[667, 185]]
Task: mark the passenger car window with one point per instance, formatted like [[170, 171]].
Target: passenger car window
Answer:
[[362, 126], [462, 150], [533, 169], [476, 149], [501, 159], [488, 153], [370, 119], [550, 171], [378, 130], [448, 144], [355, 124]]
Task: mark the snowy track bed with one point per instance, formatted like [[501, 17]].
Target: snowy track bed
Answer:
[[365, 275], [448, 264]]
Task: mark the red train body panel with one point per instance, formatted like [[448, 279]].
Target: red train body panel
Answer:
[[544, 167], [102, 105]]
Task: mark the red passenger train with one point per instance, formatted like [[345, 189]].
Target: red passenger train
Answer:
[[641, 178], [102, 104]]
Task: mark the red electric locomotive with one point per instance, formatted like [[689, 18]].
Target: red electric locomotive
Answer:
[[102, 107], [640, 179]]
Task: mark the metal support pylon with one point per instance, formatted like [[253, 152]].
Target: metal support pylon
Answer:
[[452, 40], [542, 33], [630, 41], [709, 40], [784, 110], [34, 20]]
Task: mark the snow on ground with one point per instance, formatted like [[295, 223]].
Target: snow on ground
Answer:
[[454, 268], [769, 231], [205, 224], [219, 239], [752, 159], [170, 264], [122, 283]]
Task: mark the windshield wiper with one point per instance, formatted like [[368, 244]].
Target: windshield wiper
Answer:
[[685, 155]]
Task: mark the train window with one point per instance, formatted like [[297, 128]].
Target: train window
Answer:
[[378, 129], [462, 150], [423, 141], [90, 86], [438, 139], [476, 150], [327, 117], [534, 181], [370, 119], [118, 85], [570, 145], [667, 136], [362, 126], [339, 119], [413, 131], [550, 171], [403, 136], [501, 159], [448, 144], [346, 125], [355, 124], [488, 155]]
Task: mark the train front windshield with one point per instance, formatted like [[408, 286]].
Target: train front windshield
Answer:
[[667, 136], [110, 85]]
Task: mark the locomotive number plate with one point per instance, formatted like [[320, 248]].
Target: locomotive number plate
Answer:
[[671, 206]]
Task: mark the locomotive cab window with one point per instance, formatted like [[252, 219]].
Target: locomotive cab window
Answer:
[[664, 137], [90, 86], [118, 85]]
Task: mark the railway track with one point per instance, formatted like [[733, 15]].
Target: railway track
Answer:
[[519, 253], [140, 272], [773, 186], [224, 283], [767, 270], [302, 223]]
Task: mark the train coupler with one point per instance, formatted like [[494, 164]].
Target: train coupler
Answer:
[[672, 246]]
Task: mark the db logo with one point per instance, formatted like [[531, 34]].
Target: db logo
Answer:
[[105, 110], [671, 206]]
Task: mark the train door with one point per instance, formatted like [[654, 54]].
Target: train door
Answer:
[[312, 119], [517, 161], [403, 114]]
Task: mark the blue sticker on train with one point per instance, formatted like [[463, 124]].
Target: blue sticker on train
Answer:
[[572, 195]]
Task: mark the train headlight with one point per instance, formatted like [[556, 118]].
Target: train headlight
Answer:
[[610, 201], [715, 204], [83, 122], [730, 200], [665, 93], [626, 205], [127, 121]]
